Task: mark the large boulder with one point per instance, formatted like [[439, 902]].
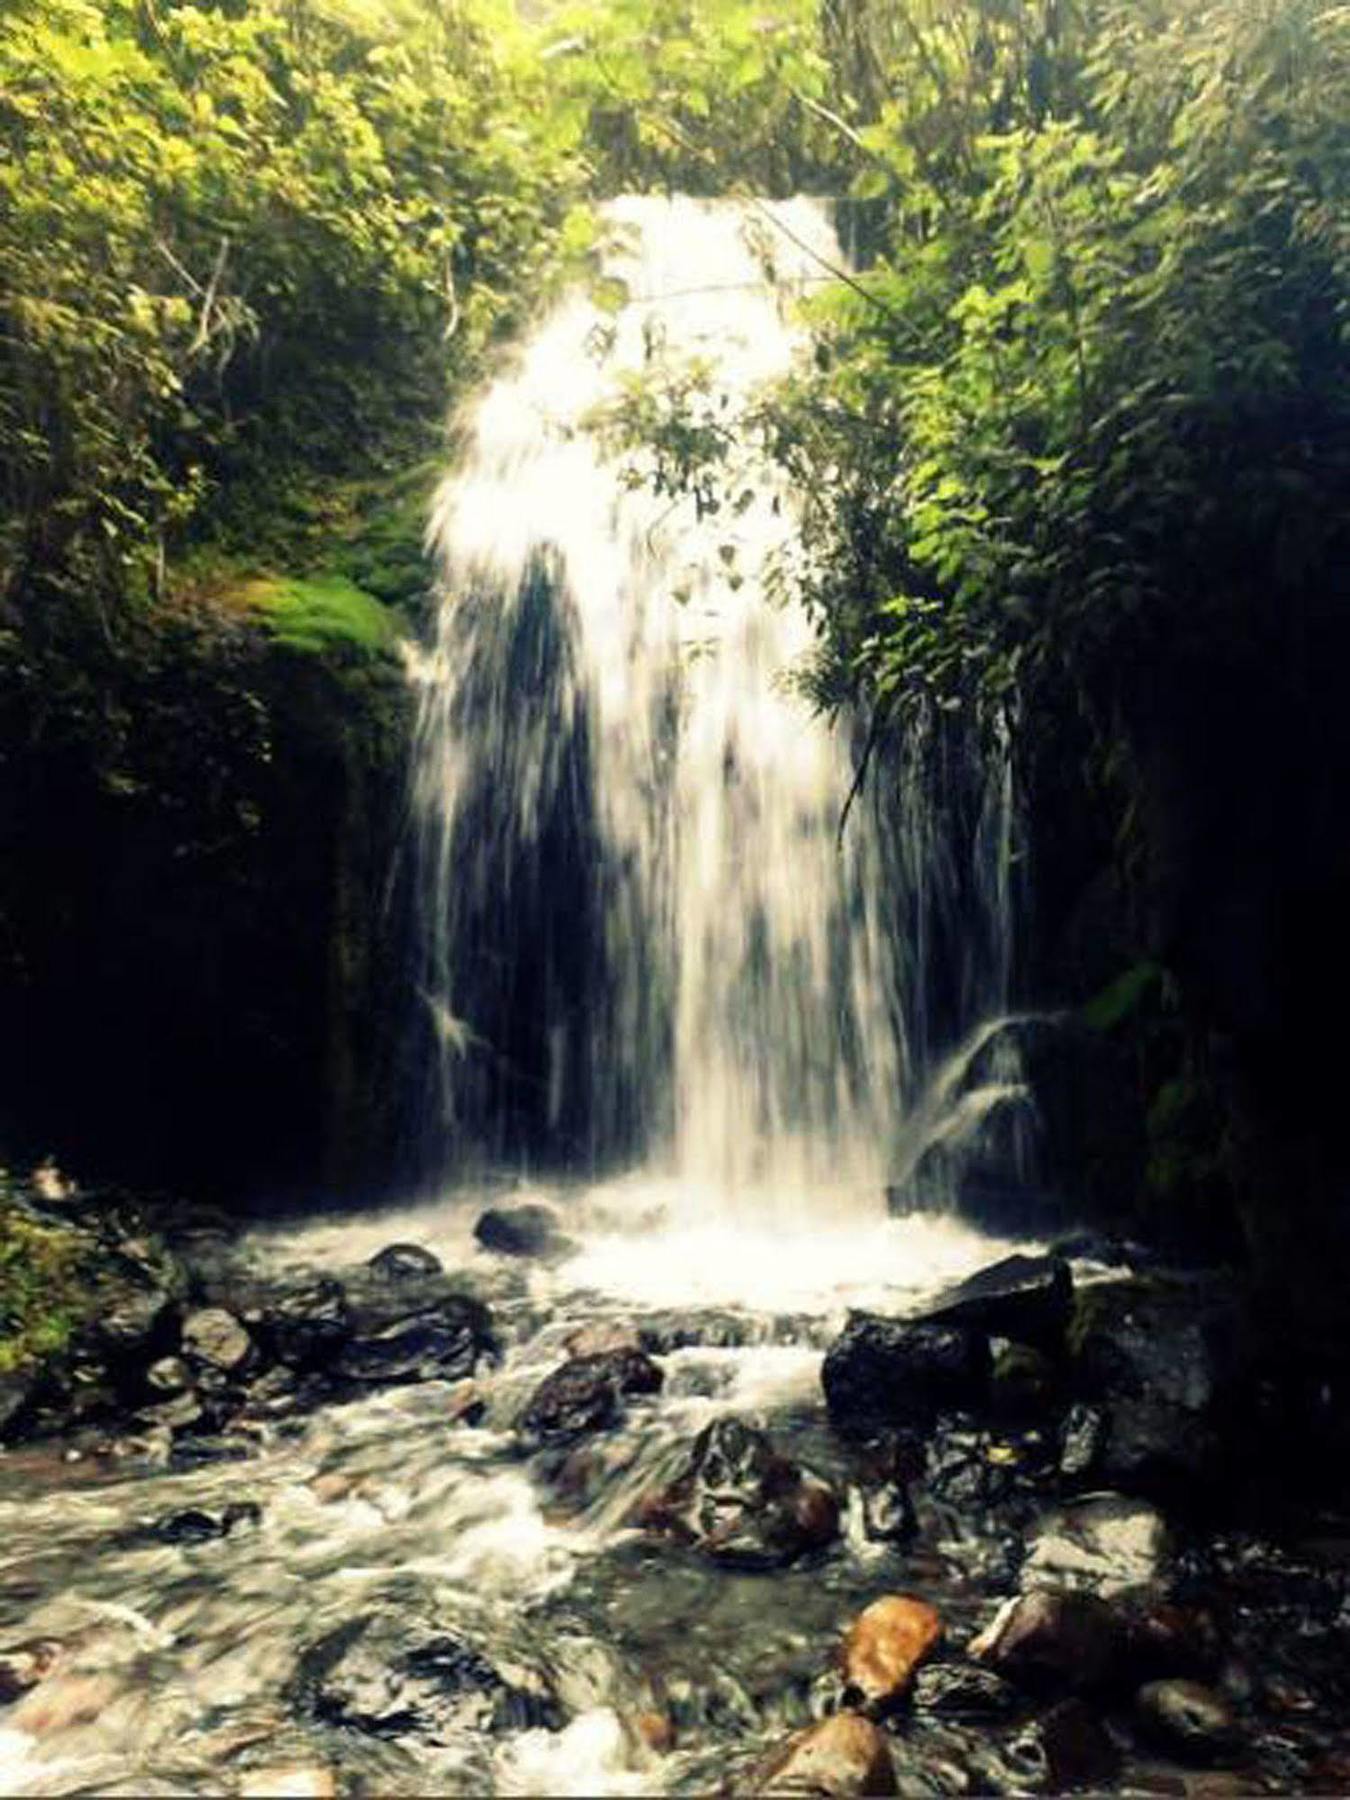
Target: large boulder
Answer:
[[1163, 1362], [586, 1394], [882, 1372], [1055, 1641], [742, 1503], [1026, 1298], [530, 1230]]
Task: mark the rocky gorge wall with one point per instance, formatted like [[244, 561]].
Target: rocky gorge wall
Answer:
[[200, 950]]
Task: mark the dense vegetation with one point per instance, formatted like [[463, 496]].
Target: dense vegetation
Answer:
[[1076, 440]]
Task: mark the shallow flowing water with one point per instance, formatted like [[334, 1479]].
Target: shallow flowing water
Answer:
[[186, 1658]]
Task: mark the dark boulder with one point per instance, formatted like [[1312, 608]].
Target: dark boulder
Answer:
[[444, 1345], [1061, 1640], [530, 1230], [304, 1325], [881, 1372], [587, 1394], [401, 1262], [742, 1503], [1165, 1362], [1027, 1298], [1056, 1641]]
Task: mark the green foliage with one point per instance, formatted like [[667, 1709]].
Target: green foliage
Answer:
[[699, 95], [239, 245]]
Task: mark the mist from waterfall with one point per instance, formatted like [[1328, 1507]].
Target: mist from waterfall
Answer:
[[643, 942]]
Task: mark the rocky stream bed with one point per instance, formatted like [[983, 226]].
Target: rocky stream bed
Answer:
[[511, 1499]]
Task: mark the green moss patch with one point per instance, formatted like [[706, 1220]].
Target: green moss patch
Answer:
[[44, 1291], [322, 613]]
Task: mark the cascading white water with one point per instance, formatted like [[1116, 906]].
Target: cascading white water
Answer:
[[642, 940]]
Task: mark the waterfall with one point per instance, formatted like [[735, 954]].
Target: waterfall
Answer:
[[642, 941]]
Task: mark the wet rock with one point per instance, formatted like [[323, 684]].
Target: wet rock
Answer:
[[25, 1665], [1070, 1749], [888, 1514], [136, 1304], [306, 1326], [196, 1526], [214, 1338], [169, 1376], [1027, 1298], [1187, 1720], [530, 1230], [963, 1691], [976, 1471], [841, 1756], [403, 1262], [742, 1503], [1107, 1544], [183, 1412], [881, 1372], [586, 1394], [368, 1677], [445, 1346], [1055, 1640], [884, 1646], [1082, 1439]]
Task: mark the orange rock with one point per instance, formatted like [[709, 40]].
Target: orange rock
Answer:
[[64, 1701], [885, 1645], [843, 1756]]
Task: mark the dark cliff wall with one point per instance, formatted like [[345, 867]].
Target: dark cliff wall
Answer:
[[201, 956]]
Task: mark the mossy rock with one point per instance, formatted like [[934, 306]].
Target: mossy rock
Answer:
[[44, 1288], [322, 614]]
